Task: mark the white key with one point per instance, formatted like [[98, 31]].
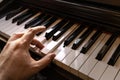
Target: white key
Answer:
[[54, 44], [1, 1], [4, 24], [111, 71], [10, 27], [41, 37], [102, 65], [20, 28], [74, 53], [117, 66], [100, 68], [46, 42], [64, 51], [67, 58], [9, 22], [91, 61], [78, 62]]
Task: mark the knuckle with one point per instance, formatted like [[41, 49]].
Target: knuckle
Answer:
[[23, 42], [18, 44], [13, 45]]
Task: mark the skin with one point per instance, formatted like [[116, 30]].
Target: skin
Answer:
[[15, 60]]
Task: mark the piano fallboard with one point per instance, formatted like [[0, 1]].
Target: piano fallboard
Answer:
[[104, 16]]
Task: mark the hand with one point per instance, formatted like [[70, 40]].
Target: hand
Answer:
[[15, 60]]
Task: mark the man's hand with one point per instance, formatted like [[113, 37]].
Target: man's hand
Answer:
[[15, 60]]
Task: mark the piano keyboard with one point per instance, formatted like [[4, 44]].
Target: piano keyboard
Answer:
[[84, 51], [1, 0]]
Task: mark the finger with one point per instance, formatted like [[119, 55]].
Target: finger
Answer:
[[42, 63], [37, 43], [15, 36], [29, 35]]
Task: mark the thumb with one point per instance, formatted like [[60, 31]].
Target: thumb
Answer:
[[42, 63]]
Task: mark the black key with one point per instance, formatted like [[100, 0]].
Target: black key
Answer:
[[7, 10], [33, 21], [50, 32], [20, 16], [48, 23], [5, 3], [62, 30], [106, 47], [23, 19], [91, 41], [77, 42], [41, 20], [73, 35], [115, 56], [14, 12]]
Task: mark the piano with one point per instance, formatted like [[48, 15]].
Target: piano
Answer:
[[84, 34]]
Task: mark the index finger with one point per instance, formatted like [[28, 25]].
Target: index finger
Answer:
[[29, 35]]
